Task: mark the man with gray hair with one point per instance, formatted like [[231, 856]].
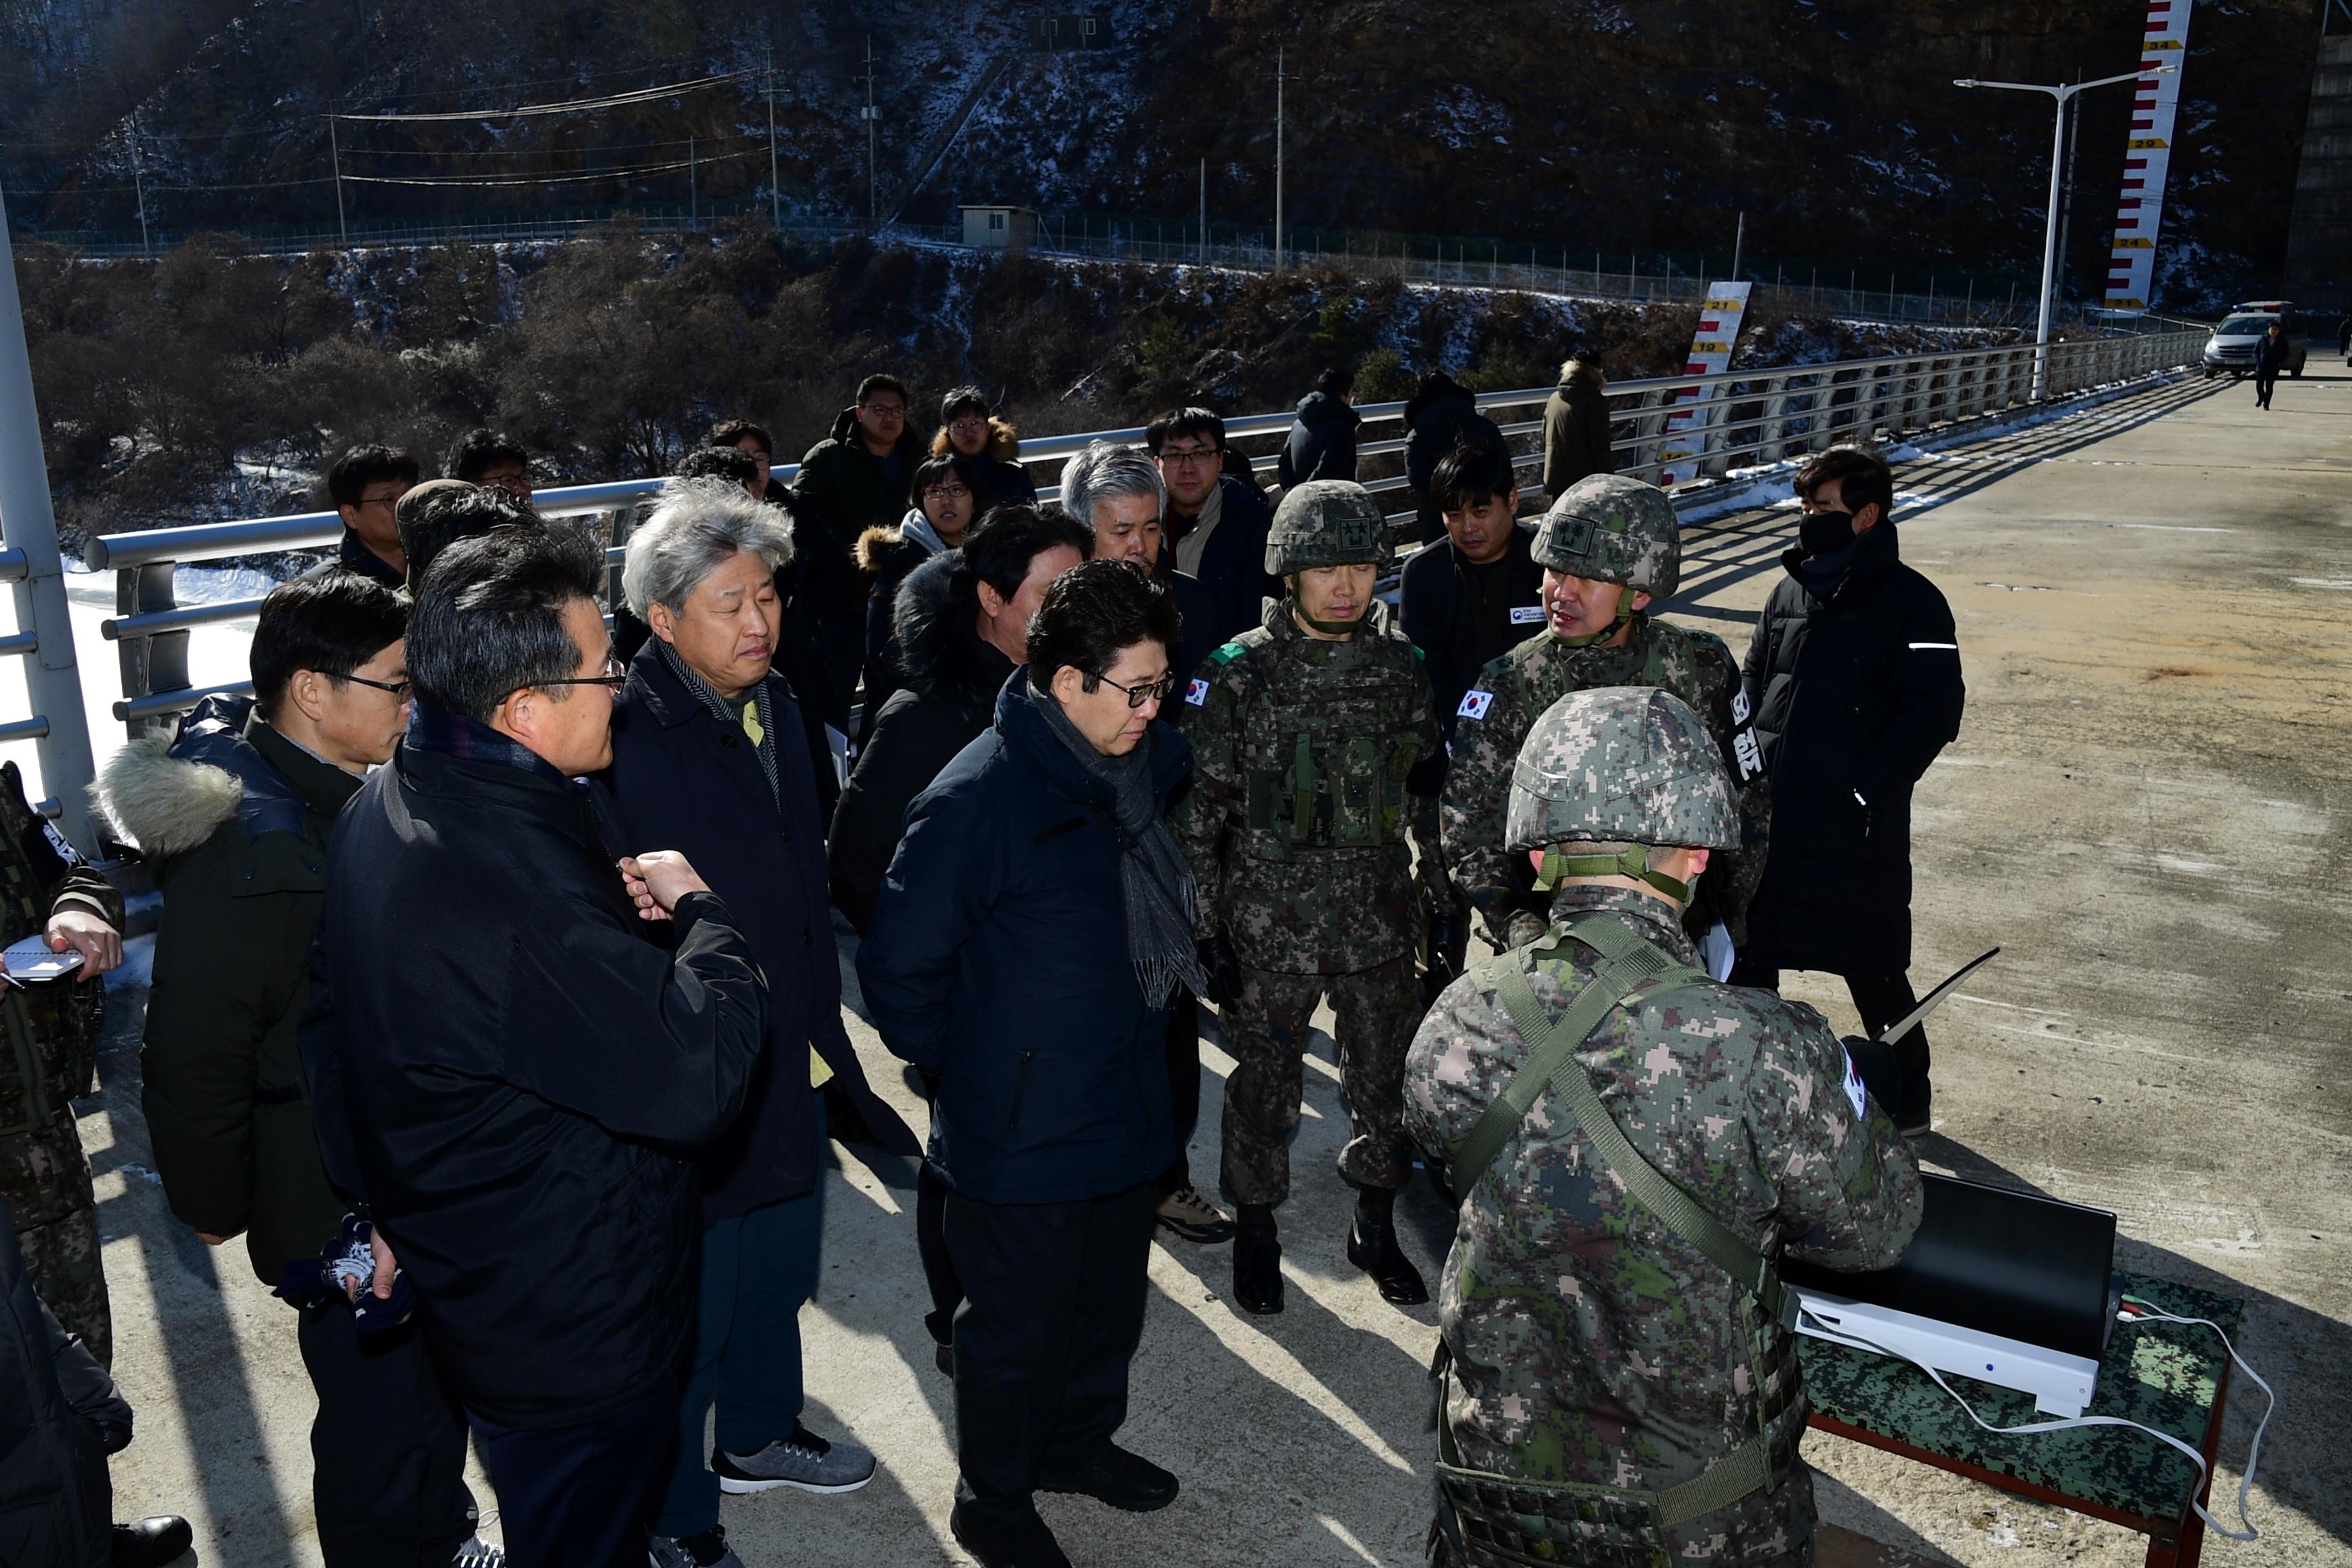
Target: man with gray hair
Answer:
[[703, 760], [1114, 492]]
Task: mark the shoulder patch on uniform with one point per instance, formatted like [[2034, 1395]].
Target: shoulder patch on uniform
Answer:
[[1474, 704], [1856, 1094], [1197, 692], [1227, 654], [1739, 709]]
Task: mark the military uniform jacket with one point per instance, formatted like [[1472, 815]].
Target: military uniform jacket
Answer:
[[1590, 1343], [48, 1031], [1296, 825], [1503, 705]]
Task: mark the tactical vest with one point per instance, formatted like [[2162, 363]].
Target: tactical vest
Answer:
[[48, 1031], [1328, 757], [1496, 1519]]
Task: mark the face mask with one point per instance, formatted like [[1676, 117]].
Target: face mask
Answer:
[[1819, 532]]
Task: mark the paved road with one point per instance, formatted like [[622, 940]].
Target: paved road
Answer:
[[2147, 806]]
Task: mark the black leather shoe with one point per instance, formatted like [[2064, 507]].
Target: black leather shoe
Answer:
[[152, 1542], [1372, 1247], [1124, 1481], [1029, 1545], [1257, 1261]]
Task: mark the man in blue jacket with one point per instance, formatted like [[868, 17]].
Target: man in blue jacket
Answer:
[[1033, 927], [706, 760], [512, 1075]]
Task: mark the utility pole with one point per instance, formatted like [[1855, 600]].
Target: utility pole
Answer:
[[775, 188], [1739, 244], [870, 114], [1204, 212], [693, 186], [335, 150], [2067, 204], [1278, 159], [138, 187]]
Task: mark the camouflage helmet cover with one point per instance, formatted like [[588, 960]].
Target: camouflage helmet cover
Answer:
[[1612, 529], [1622, 763], [1327, 522]]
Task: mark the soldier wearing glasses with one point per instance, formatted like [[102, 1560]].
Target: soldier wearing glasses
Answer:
[[1305, 732]]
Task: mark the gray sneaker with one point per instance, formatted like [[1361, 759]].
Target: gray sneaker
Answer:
[[803, 1460], [708, 1548]]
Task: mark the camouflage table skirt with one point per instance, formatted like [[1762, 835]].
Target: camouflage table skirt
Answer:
[[2170, 1376]]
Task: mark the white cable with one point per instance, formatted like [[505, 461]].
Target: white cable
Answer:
[[2146, 1314], [571, 106]]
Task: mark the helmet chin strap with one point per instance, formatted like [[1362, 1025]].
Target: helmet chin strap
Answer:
[[1328, 629], [1626, 613], [1633, 862]]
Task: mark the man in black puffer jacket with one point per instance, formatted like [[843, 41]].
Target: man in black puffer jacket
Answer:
[[1854, 672]]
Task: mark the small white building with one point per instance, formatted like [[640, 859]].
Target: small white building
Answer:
[[999, 228]]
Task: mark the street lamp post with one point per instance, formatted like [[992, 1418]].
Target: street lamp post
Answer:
[[2063, 92]]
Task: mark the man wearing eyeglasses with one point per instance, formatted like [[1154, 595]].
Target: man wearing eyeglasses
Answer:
[[511, 1075], [364, 485], [1216, 524], [233, 813], [859, 478], [1034, 925]]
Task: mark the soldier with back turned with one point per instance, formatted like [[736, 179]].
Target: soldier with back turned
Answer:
[[1305, 732], [1634, 1146]]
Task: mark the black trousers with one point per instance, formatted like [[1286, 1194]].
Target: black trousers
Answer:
[[1880, 999], [1183, 1086], [932, 1246], [583, 1496], [2263, 385], [387, 1447], [1053, 1313]]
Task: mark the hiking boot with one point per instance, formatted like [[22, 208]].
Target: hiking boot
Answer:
[[1194, 1218], [804, 1461]]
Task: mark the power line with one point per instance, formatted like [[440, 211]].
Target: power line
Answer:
[[525, 151], [573, 106], [493, 180]]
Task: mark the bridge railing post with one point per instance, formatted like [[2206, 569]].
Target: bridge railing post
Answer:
[[155, 661]]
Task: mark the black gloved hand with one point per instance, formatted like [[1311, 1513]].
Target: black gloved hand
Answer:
[[1449, 941], [1223, 970]]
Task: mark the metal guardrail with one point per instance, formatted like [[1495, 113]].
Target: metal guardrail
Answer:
[[1745, 418]]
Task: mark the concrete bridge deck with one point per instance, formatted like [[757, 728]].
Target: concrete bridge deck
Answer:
[[2147, 807]]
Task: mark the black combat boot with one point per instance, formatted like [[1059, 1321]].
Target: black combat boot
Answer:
[[1372, 1247], [1257, 1260]]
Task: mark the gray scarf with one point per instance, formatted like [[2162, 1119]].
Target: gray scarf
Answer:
[[1153, 874]]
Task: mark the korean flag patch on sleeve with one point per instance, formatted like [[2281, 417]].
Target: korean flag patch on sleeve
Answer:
[[1474, 704], [1197, 694], [1855, 1092]]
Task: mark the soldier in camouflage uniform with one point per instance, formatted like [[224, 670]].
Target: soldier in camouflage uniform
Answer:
[[1305, 731], [1632, 1141], [1606, 530], [49, 1058]]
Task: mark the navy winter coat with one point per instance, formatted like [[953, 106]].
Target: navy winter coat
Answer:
[[1854, 693], [1322, 443], [682, 779], [515, 1076], [997, 959]]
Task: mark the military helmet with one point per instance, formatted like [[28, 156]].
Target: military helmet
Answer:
[[1611, 528], [1327, 522], [1626, 765]]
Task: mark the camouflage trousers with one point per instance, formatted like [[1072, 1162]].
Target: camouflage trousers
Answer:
[[45, 1180], [1265, 1028]]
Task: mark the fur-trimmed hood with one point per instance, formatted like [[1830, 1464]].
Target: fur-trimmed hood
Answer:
[[939, 648], [877, 544], [166, 804], [1577, 377], [1004, 441]]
